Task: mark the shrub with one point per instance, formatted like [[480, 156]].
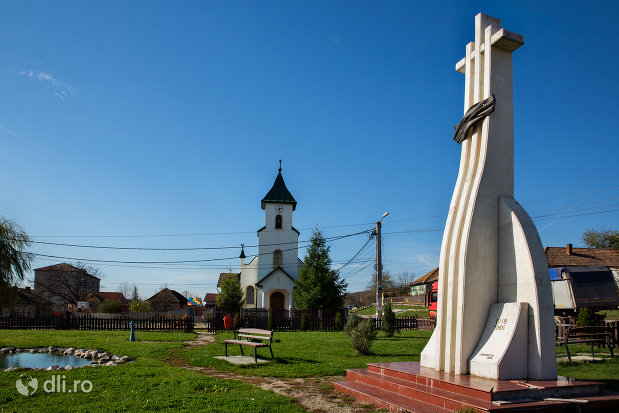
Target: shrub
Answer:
[[109, 307], [585, 317], [389, 321], [352, 322], [304, 322], [271, 321], [139, 306], [338, 321], [362, 336], [236, 321]]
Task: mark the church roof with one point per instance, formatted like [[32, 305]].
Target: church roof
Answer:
[[273, 272], [279, 193]]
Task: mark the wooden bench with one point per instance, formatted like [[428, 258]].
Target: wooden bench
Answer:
[[601, 335], [244, 337]]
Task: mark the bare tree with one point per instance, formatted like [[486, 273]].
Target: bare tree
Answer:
[[403, 283], [70, 283], [127, 289]]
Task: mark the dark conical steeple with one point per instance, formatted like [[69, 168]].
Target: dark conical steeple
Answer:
[[279, 193]]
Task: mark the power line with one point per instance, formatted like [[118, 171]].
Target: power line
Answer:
[[331, 239]]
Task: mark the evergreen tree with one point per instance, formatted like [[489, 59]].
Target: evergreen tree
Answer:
[[134, 295], [318, 286], [230, 296]]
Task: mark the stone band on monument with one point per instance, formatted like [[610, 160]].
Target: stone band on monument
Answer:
[[495, 301]]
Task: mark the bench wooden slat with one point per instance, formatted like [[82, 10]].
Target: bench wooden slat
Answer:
[[251, 336], [589, 334], [246, 343], [249, 333]]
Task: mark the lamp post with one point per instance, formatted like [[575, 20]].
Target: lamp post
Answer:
[[379, 268]]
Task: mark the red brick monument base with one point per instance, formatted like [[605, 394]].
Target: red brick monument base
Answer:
[[409, 387]]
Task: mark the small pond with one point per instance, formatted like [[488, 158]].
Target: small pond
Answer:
[[44, 360]]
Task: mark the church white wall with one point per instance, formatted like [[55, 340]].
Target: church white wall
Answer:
[[249, 276], [284, 239], [278, 282]]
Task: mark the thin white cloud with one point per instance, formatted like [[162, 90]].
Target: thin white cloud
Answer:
[[62, 90], [15, 134]]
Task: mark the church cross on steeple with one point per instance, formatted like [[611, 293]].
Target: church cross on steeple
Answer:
[[280, 166]]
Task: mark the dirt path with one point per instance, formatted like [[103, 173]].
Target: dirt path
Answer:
[[315, 394]]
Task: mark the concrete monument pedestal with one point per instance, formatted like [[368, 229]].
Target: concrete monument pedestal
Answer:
[[412, 388]]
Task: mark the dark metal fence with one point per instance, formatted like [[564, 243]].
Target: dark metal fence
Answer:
[[314, 323], [94, 323]]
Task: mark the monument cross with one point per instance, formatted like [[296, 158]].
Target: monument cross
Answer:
[[494, 303]]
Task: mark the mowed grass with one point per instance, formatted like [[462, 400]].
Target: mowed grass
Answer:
[[406, 311], [611, 315], [149, 383], [310, 353]]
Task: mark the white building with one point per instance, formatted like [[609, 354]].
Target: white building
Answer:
[[268, 279]]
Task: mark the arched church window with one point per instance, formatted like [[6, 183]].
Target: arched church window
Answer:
[[278, 258], [249, 295], [278, 222]]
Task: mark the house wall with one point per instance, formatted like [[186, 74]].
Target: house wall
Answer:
[[42, 280]]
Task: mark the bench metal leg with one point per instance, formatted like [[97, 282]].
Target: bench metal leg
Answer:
[[592, 357], [271, 350], [610, 348], [255, 354], [567, 350], [241, 347], [226, 347]]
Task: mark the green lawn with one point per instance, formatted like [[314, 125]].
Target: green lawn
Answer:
[[311, 353], [149, 383], [409, 311], [611, 315]]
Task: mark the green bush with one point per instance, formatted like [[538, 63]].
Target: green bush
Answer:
[[338, 321], [351, 323], [585, 317], [304, 322], [139, 306], [389, 321], [271, 321], [362, 336], [236, 322], [109, 307]]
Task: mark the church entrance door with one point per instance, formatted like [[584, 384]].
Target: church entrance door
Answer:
[[277, 301]]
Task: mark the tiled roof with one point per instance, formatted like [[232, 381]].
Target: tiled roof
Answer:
[[224, 275], [28, 296], [428, 278], [559, 257], [210, 298], [109, 297], [169, 296], [279, 193], [65, 268]]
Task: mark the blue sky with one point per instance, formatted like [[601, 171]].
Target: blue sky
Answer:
[[159, 125]]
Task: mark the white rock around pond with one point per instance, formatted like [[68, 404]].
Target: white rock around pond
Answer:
[[98, 357]]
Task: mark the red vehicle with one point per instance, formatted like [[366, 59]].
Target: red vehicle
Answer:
[[432, 304]]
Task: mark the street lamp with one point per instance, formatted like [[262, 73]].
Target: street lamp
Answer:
[[379, 268]]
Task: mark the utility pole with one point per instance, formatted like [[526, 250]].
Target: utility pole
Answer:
[[379, 268]]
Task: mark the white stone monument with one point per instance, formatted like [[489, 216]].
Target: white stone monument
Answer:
[[495, 310]]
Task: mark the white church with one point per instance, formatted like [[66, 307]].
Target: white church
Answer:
[[268, 279]]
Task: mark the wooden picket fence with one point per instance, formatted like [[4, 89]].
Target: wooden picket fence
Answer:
[[97, 324]]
